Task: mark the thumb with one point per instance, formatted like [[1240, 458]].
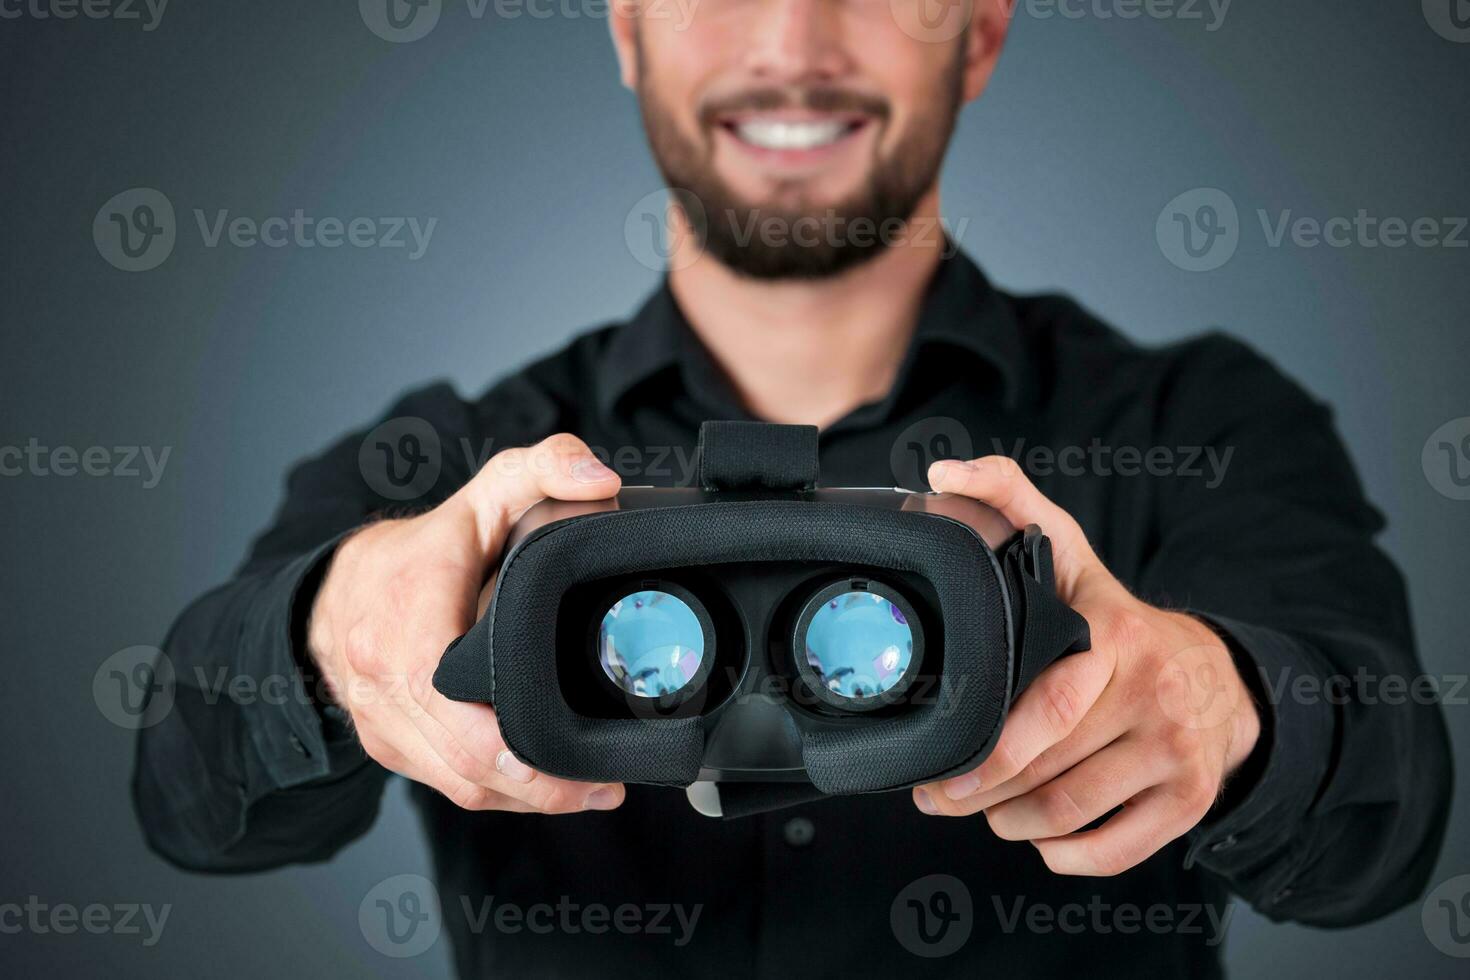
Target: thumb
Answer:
[[560, 467], [999, 482]]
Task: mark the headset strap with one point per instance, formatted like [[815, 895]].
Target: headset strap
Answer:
[[757, 456]]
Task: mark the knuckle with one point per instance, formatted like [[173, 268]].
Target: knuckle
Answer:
[[1197, 794], [1002, 825], [1106, 857], [1003, 762], [1006, 468], [562, 798], [1181, 744], [1059, 811], [1128, 631], [562, 444], [1061, 706], [468, 796], [363, 648]]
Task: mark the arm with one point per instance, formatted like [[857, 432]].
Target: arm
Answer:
[[338, 621], [230, 783], [1326, 813], [1340, 818]]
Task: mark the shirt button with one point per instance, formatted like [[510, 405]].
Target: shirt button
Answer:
[[799, 831], [1223, 844], [298, 745], [1281, 896]]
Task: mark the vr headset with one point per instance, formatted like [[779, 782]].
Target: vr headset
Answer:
[[758, 640]]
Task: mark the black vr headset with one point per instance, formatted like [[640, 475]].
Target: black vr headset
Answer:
[[758, 640]]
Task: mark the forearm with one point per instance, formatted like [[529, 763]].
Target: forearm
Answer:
[[1344, 817], [242, 772]]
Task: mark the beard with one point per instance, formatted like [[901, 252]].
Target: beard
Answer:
[[798, 239]]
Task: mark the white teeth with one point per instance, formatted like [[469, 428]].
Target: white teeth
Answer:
[[771, 135]]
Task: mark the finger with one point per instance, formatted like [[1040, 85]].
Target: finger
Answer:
[[467, 736], [1146, 824], [1080, 795], [1092, 735], [1046, 713], [408, 754], [1000, 482], [560, 467]]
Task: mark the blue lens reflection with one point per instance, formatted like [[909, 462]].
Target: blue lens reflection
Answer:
[[650, 644], [859, 644]]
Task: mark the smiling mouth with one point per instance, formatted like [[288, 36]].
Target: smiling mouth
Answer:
[[788, 135]]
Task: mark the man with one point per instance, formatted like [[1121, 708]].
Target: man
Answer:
[[1177, 760]]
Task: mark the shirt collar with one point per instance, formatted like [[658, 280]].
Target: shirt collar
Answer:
[[961, 311]]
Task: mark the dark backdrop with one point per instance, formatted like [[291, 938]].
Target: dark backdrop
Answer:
[[510, 129]]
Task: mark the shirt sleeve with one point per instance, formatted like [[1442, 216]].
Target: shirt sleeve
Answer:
[[250, 767], [1339, 815]]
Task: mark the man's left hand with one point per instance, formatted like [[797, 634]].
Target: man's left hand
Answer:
[[1153, 719]]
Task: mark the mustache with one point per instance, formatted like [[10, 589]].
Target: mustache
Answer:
[[821, 99]]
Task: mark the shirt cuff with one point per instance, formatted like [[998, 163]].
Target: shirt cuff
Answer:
[[1246, 841], [296, 739]]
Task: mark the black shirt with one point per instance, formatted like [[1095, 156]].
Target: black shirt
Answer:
[[1204, 478]]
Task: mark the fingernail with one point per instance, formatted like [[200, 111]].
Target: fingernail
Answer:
[[921, 797], [589, 469], [513, 768], [600, 799], [962, 786]]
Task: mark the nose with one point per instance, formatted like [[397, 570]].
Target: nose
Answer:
[[797, 41]]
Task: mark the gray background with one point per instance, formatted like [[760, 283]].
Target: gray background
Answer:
[[513, 132]]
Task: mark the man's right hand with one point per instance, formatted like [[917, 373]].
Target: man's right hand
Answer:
[[399, 591]]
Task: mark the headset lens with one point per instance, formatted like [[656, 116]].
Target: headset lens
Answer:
[[860, 644], [650, 644]]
